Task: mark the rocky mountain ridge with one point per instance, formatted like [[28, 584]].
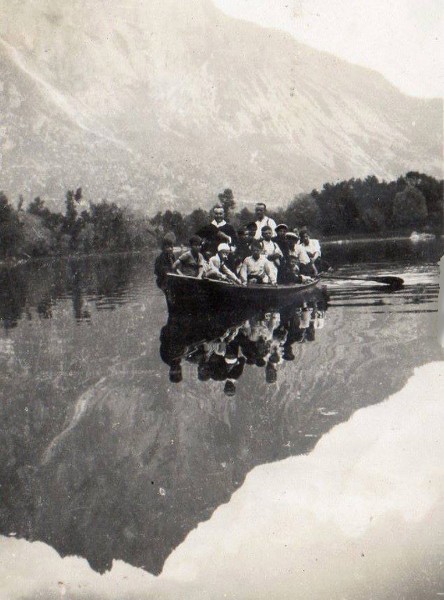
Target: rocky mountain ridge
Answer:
[[163, 104]]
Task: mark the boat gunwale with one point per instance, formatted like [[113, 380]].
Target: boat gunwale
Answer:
[[249, 286]]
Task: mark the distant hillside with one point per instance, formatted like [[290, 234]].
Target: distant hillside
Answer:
[[163, 104]]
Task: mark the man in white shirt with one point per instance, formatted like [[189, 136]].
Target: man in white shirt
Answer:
[[306, 266], [271, 250], [256, 268], [313, 249], [262, 220], [311, 246]]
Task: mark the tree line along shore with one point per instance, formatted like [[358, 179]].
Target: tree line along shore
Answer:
[[352, 208]]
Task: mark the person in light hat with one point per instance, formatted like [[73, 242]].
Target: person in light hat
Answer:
[[295, 249], [218, 268], [280, 239]]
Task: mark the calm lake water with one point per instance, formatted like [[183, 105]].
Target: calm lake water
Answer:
[[122, 430]]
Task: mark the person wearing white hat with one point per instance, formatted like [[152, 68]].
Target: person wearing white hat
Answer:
[[218, 266], [297, 250]]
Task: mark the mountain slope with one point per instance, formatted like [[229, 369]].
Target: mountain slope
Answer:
[[157, 104]]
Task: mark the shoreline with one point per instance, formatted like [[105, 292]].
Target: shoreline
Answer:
[[16, 261]]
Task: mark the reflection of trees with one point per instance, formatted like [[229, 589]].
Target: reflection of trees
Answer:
[[105, 280], [13, 292], [41, 286]]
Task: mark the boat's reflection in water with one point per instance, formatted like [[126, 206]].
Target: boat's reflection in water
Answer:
[[222, 345]]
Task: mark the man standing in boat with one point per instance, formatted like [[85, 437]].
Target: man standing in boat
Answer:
[[217, 232], [262, 220]]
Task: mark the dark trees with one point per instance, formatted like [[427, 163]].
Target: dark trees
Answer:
[[226, 198], [11, 234]]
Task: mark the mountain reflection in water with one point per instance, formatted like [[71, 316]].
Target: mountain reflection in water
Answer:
[[107, 455]]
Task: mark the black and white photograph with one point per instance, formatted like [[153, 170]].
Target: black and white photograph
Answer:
[[221, 329]]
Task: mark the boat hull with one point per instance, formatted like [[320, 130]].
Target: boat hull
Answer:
[[183, 293]]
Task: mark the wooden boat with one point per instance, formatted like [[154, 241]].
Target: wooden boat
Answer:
[[183, 293]]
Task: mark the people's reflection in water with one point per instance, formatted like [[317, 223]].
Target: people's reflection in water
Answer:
[[222, 347]]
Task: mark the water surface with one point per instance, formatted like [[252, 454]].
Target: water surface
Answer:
[[124, 429]]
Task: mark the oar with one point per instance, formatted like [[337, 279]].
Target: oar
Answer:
[[393, 282]]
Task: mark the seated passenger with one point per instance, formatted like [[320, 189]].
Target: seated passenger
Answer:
[[256, 268], [271, 249], [251, 229], [295, 249], [312, 247], [191, 263], [218, 268], [243, 244], [290, 273], [164, 263], [280, 238]]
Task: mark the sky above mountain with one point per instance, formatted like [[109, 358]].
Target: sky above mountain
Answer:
[[401, 39]]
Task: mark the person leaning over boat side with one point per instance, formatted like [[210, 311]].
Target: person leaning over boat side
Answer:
[[217, 266], [191, 262], [256, 268], [218, 231], [164, 263], [262, 219], [295, 249]]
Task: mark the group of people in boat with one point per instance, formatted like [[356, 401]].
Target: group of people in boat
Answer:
[[261, 252], [265, 340]]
